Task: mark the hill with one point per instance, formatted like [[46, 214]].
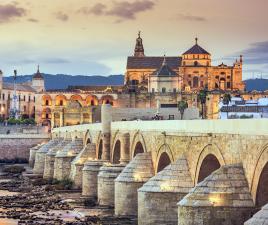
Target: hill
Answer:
[[62, 81]]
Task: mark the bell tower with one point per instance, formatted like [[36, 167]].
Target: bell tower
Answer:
[[139, 50]]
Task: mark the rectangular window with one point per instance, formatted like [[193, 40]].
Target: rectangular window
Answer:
[[163, 90], [228, 85], [153, 90], [3, 96], [174, 90]]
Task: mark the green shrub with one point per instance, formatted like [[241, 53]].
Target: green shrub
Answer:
[[65, 184]]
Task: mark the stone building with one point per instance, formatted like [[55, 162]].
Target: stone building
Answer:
[[26, 93], [193, 69]]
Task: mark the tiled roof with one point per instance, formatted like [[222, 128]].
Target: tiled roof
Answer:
[[196, 49], [253, 109], [20, 87], [164, 70], [153, 62]]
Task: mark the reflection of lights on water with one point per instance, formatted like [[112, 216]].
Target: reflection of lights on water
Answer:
[[165, 187]]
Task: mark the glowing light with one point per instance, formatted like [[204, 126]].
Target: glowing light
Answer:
[[217, 199], [137, 177], [165, 186]]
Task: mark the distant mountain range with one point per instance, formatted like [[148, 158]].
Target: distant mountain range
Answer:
[[62, 81]]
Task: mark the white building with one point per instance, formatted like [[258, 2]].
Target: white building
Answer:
[[239, 108], [163, 80]]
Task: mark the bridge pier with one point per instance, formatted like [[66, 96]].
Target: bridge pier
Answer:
[[50, 159], [106, 177], [89, 152], [63, 159], [125, 153], [260, 218], [223, 198], [40, 155], [33, 151], [90, 178], [157, 198], [133, 176]]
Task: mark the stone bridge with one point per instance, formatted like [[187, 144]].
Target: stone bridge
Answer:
[[166, 172]]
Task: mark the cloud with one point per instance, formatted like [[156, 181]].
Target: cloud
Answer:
[[256, 53], [123, 10], [33, 20], [62, 16], [98, 9], [55, 61], [190, 17], [10, 12]]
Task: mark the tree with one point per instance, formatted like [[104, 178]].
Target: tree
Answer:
[[226, 100], [182, 105], [202, 96]]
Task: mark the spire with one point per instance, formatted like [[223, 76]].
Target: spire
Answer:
[[139, 50], [164, 61], [196, 40], [38, 67], [38, 75]]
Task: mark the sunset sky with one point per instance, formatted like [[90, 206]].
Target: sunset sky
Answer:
[[90, 37]]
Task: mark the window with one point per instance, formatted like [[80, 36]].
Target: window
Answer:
[[8, 97], [195, 63], [228, 85], [47, 102], [174, 90], [92, 102], [201, 83], [153, 90], [195, 82], [189, 83], [24, 108], [34, 98], [29, 98], [217, 77], [61, 102], [163, 90], [228, 77], [47, 116], [3, 96], [24, 98], [216, 85]]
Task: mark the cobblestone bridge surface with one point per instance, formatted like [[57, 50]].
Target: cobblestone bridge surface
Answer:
[[165, 172]]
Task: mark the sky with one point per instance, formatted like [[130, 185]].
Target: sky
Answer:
[[93, 37]]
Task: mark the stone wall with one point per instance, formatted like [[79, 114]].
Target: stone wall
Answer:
[[18, 146]]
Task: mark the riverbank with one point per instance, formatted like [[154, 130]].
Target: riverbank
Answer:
[[27, 199]]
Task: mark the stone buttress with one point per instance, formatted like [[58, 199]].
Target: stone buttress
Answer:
[[90, 178], [40, 156], [158, 198], [223, 198], [106, 177], [33, 151], [50, 158], [133, 176], [88, 152], [63, 159], [260, 218]]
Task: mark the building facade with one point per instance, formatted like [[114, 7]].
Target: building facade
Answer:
[[193, 68], [26, 93]]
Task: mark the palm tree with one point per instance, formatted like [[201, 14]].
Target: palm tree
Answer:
[[202, 96], [182, 105], [226, 100]]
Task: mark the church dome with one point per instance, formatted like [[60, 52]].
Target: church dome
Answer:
[[196, 50]]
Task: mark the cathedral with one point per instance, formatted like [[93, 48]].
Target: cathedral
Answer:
[[192, 71]]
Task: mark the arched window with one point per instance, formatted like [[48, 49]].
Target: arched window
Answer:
[[195, 82], [163, 90], [195, 63]]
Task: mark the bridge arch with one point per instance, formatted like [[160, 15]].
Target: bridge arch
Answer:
[[259, 186], [87, 139], [164, 158], [116, 152], [209, 160], [138, 145], [99, 149]]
